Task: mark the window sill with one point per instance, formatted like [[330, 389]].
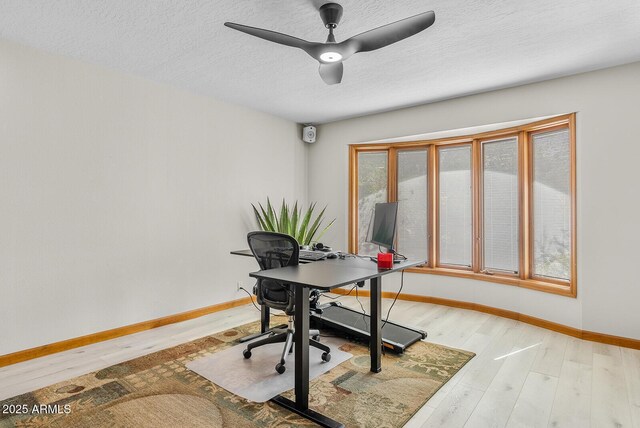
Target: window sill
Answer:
[[533, 284]]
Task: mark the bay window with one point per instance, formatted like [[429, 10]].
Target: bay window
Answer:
[[497, 206]]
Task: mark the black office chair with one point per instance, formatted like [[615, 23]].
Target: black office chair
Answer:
[[274, 250]]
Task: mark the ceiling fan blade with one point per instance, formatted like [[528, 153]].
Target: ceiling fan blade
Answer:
[[390, 33], [331, 73], [275, 37]]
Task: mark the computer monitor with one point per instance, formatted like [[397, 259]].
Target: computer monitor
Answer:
[[384, 224]]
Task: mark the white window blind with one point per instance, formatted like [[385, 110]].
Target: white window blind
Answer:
[[551, 204], [412, 204], [455, 210], [500, 205]]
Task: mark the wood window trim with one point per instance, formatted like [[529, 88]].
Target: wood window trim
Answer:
[[524, 278], [533, 284], [353, 188]]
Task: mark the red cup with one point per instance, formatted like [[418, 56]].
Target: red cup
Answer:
[[385, 261]]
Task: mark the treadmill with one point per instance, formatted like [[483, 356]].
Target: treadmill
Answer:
[[356, 325]]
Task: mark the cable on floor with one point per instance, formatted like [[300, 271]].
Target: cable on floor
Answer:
[[251, 297]]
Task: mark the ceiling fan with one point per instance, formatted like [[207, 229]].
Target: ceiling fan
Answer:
[[331, 54]]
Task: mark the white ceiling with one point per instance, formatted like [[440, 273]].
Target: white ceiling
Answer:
[[474, 46]]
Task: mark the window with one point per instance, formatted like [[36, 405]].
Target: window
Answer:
[[412, 204], [551, 203], [497, 206], [500, 203], [454, 194], [372, 188]]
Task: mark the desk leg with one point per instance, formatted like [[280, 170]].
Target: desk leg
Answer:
[[301, 340], [301, 343], [375, 308], [264, 319]]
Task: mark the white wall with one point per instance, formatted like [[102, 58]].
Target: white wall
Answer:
[[121, 198], [608, 107]]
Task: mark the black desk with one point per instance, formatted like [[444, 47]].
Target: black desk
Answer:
[[326, 275]]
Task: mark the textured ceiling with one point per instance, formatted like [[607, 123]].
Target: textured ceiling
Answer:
[[474, 46]]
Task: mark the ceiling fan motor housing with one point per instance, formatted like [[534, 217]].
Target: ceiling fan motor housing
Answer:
[[331, 14]]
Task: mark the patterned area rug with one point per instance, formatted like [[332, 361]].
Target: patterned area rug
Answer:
[[157, 391]]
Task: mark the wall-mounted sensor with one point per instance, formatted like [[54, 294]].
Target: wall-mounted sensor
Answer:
[[309, 134]]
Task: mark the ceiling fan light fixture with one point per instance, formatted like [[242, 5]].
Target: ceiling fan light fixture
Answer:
[[331, 54], [330, 57]]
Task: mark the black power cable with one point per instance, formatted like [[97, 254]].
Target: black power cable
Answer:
[[391, 307], [364, 313], [251, 297], [394, 299]]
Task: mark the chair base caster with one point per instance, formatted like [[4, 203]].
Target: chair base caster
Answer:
[[280, 368], [326, 357]]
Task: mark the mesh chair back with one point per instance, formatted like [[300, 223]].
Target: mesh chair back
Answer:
[[274, 250]]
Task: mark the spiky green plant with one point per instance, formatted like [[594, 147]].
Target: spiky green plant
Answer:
[[292, 221]]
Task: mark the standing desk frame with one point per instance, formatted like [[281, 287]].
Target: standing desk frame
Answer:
[[326, 275]]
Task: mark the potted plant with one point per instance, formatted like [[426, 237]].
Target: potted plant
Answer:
[[292, 221]]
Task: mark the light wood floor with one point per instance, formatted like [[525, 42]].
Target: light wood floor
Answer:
[[522, 376]]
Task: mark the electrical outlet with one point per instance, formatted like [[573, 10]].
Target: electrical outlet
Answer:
[[240, 285]]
